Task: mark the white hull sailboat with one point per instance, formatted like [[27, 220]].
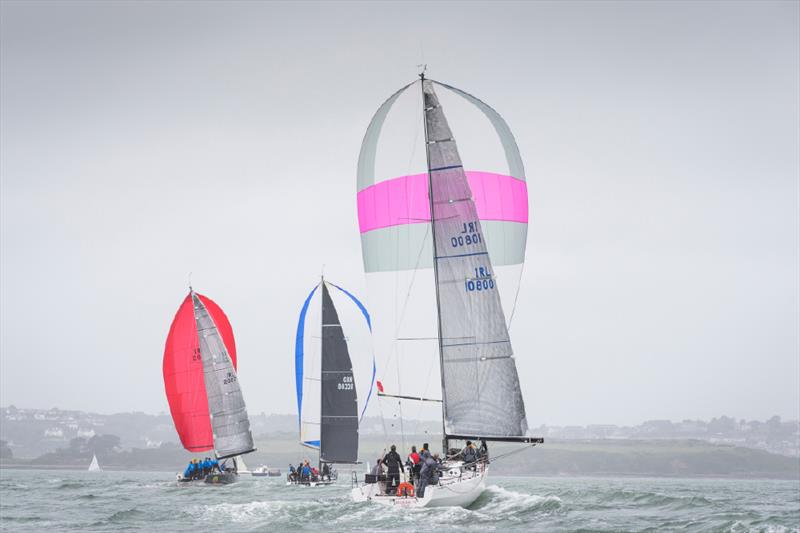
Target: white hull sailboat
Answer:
[[466, 222], [457, 487]]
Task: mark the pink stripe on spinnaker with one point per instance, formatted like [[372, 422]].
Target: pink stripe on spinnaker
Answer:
[[404, 200]]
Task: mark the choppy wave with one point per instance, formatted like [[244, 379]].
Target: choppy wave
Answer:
[[126, 515], [147, 501], [496, 500]]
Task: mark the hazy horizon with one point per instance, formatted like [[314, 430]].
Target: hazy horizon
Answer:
[[294, 415], [140, 142]]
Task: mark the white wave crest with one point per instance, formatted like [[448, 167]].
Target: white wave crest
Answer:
[[504, 500], [242, 512]]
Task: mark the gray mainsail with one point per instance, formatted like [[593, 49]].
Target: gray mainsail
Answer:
[[229, 422], [339, 409], [481, 390]]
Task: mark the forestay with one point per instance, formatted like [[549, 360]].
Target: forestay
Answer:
[[229, 422]]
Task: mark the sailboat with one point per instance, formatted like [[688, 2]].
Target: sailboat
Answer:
[[202, 387], [463, 223], [327, 391], [241, 467], [94, 466]]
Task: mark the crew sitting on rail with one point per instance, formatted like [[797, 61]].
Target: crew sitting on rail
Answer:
[[191, 470], [483, 451], [469, 455], [305, 473]]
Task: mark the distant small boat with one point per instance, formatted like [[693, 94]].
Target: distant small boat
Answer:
[[95, 466], [264, 471]]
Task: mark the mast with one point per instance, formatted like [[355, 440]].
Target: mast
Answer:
[[435, 261]]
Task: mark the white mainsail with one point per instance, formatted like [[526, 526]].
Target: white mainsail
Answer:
[[94, 466], [229, 420], [241, 467], [481, 391]]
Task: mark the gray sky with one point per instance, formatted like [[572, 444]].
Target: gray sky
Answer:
[[143, 141]]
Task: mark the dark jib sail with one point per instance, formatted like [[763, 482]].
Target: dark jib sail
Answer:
[[339, 409], [229, 422], [481, 388]]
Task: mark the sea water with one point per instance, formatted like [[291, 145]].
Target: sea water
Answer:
[[149, 501]]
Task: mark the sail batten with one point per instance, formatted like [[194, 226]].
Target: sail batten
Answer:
[[479, 379]]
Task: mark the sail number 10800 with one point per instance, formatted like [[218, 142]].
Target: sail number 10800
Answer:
[[346, 384], [483, 280], [470, 234]]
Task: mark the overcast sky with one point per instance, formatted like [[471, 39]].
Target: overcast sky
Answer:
[[143, 141]]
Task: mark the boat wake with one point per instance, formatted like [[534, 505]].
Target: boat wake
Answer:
[[496, 500], [340, 513]]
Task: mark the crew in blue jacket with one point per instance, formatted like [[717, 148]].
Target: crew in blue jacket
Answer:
[[189, 472]]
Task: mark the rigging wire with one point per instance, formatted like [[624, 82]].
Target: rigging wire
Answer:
[[516, 296]]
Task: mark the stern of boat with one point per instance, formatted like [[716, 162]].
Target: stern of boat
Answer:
[[458, 486]]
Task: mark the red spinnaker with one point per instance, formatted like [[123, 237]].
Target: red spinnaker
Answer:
[[183, 374]]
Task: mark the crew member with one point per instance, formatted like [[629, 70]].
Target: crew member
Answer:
[[426, 474], [470, 455], [394, 464], [189, 472], [413, 463]]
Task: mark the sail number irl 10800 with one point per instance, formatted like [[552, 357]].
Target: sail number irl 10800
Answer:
[[346, 384], [469, 235]]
